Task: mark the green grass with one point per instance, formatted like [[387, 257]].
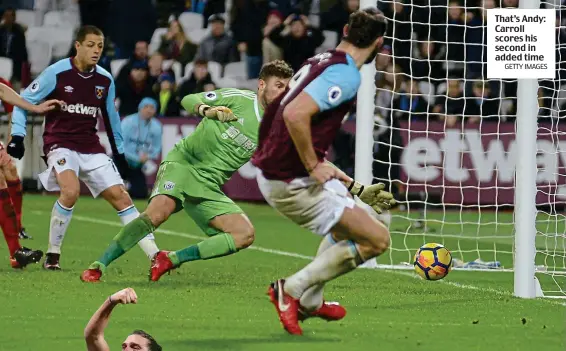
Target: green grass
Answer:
[[221, 304]]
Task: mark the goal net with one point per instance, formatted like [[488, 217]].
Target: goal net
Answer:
[[445, 142]]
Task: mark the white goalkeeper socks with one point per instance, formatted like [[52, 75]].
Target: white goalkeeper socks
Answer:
[[332, 263], [60, 219], [312, 298], [147, 244]]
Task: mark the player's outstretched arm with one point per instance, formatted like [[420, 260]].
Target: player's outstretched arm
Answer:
[[94, 331], [8, 95], [210, 104]]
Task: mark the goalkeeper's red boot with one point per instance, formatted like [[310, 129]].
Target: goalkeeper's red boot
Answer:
[[287, 307], [160, 264], [329, 311], [93, 273]]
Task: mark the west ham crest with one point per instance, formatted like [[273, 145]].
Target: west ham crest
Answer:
[[99, 91], [61, 162]]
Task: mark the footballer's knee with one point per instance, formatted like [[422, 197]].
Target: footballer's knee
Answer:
[[118, 197], [11, 172], [244, 236], [377, 243], [159, 209]]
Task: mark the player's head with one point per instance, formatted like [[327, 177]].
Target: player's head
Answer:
[[89, 44], [365, 31], [140, 340], [147, 108], [273, 79]]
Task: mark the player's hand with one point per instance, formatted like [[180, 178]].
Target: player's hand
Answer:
[[47, 106], [122, 165], [16, 146], [124, 296], [375, 196], [323, 172], [221, 113]]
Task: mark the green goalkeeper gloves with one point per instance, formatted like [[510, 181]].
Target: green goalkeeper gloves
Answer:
[[373, 195], [221, 113]]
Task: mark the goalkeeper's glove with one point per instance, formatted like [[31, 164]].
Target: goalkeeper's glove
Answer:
[[221, 113], [16, 146], [373, 195]]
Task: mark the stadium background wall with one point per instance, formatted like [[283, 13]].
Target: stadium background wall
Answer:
[[479, 154]]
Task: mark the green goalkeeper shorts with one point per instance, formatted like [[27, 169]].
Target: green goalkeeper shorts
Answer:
[[201, 199]]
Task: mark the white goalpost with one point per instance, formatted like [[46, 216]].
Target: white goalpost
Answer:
[[477, 164]]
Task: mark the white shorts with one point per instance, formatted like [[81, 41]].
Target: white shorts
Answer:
[[312, 206], [97, 171]]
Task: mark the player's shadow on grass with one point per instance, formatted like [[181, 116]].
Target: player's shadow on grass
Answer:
[[240, 343]]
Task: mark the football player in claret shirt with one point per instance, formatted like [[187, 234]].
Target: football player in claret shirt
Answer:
[[70, 140], [11, 187], [295, 178]]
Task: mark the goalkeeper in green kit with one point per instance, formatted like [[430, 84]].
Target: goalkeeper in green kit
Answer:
[[194, 171]]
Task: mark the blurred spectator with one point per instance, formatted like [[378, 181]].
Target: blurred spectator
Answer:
[[426, 62], [271, 51], [155, 67], [476, 36], [41, 7], [510, 4], [176, 46], [382, 61], [199, 79], [388, 84], [410, 104], [248, 16], [400, 30], [129, 22], [297, 39], [288, 7], [454, 31], [335, 19], [131, 91], [450, 106], [482, 104], [218, 46], [139, 56], [142, 142], [13, 43], [168, 100]]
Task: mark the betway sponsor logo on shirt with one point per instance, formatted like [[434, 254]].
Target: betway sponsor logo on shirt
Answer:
[[82, 109]]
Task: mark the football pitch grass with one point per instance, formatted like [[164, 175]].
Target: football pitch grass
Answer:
[[221, 304]]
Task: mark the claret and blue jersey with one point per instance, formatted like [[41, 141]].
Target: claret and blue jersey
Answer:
[[86, 96], [332, 80]]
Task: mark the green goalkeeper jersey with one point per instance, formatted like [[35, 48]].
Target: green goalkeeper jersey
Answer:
[[217, 149]]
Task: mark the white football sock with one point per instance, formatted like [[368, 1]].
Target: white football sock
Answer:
[[147, 244], [312, 298], [332, 263], [60, 219]]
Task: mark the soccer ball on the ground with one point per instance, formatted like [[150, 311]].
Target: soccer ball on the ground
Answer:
[[433, 261]]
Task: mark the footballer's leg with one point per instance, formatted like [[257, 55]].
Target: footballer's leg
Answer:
[[119, 198], [16, 194], [19, 256], [228, 228]]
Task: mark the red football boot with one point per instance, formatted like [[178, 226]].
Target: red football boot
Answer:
[[93, 273], [160, 265], [329, 311], [287, 307]]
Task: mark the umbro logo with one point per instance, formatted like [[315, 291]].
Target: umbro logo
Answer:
[[69, 89]]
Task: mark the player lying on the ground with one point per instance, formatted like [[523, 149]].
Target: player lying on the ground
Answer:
[[11, 196], [70, 141], [294, 177], [193, 173], [94, 331]]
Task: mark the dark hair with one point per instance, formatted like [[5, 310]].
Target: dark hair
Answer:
[[153, 345], [365, 26], [276, 68], [200, 62], [86, 30]]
